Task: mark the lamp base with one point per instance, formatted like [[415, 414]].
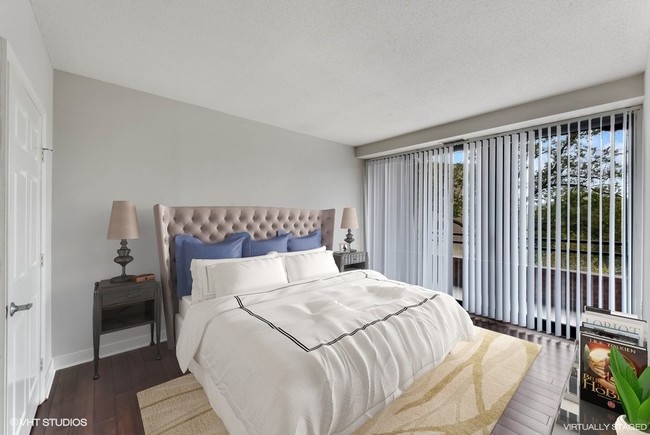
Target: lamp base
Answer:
[[121, 279], [123, 258], [349, 238]]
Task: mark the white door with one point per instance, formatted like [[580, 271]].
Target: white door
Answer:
[[24, 124]]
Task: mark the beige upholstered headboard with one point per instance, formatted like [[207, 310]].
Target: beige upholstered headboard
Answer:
[[213, 224]]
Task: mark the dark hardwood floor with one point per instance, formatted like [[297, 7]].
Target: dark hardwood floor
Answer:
[[110, 404]]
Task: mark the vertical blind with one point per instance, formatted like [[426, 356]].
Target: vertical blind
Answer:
[[409, 217], [546, 222]]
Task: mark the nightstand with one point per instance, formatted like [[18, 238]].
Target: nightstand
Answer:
[[351, 260], [125, 305]]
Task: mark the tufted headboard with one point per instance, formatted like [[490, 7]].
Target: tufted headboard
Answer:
[[213, 224]]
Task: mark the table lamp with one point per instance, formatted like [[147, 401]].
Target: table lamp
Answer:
[[123, 226], [349, 221]]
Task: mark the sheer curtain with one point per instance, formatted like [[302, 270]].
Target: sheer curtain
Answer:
[[409, 217]]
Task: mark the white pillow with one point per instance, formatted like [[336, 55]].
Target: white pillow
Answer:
[[246, 276], [237, 277], [199, 268], [310, 265], [309, 251]]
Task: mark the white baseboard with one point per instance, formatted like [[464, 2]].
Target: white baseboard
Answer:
[[49, 379], [86, 355]]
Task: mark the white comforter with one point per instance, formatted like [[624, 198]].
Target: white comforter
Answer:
[[319, 357]]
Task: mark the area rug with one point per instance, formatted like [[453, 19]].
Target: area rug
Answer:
[[466, 394]]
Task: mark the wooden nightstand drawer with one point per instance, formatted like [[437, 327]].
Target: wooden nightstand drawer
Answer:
[[127, 296], [353, 258]]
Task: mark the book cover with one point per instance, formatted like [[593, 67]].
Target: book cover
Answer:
[[596, 383], [612, 322], [592, 309], [611, 334]]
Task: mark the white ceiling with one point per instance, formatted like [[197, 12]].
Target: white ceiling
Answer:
[[349, 71]]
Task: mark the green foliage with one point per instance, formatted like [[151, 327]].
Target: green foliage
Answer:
[[634, 393], [644, 380], [458, 191], [583, 175]]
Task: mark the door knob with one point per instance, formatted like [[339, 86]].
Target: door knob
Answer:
[[13, 308]]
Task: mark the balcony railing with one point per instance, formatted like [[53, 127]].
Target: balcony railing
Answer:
[[598, 282]]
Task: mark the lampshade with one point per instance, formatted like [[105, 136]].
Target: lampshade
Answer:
[[349, 219], [124, 221]]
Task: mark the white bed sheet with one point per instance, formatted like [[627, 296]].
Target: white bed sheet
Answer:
[[184, 304], [318, 357]]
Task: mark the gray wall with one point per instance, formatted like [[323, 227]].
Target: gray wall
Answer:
[[117, 143]]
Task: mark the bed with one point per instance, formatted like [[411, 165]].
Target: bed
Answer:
[[316, 355]]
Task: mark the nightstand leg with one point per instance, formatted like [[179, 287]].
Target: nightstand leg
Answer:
[[151, 344], [157, 338], [97, 318], [96, 352]]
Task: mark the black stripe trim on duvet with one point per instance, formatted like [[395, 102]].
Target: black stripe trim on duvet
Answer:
[[340, 337]]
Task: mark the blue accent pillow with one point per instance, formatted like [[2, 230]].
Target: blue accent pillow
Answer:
[[253, 248], [305, 243], [189, 248]]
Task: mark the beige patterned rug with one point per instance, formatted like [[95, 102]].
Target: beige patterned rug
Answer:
[[466, 394]]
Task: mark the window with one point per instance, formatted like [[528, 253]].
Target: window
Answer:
[[539, 220]]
